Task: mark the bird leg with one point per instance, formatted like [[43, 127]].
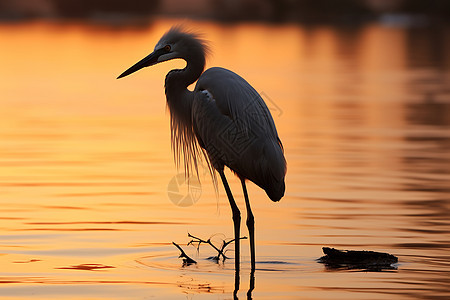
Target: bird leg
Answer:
[[250, 225], [237, 223], [251, 285]]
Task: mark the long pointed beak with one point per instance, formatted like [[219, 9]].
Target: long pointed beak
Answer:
[[147, 61]]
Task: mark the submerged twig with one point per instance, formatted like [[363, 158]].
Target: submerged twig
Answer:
[[186, 259], [220, 252]]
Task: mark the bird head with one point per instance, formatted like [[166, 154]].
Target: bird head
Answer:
[[176, 43]]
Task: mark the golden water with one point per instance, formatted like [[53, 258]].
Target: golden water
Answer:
[[85, 164]]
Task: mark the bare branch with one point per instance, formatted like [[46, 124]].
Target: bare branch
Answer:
[[186, 259], [220, 252]]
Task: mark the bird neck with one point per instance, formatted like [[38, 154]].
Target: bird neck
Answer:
[[179, 79], [179, 102], [179, 98]]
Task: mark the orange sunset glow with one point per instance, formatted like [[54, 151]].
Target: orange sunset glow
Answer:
[[85, 162]]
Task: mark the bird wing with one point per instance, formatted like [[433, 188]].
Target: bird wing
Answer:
[[236, 99], [234, 126]]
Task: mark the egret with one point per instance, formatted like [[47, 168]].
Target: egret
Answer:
[[224, 119]]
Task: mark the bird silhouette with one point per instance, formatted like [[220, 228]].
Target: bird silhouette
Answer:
[[223, 120]]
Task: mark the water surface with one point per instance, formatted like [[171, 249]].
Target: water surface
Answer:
[[85, 164]]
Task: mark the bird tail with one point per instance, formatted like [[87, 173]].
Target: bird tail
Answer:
[[276, 191]]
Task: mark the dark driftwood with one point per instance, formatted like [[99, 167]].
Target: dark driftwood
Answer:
[[352, 259], [186, 259]]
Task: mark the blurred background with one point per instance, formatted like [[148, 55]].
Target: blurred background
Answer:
[[359, 91], [349, 11]]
